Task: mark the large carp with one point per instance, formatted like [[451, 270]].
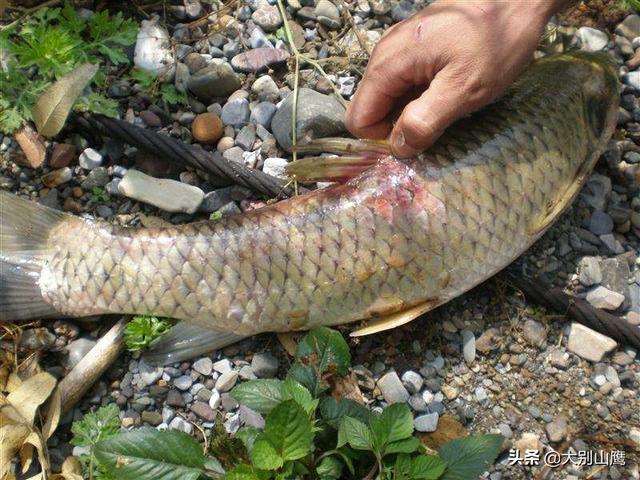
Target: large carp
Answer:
[[394, 240]]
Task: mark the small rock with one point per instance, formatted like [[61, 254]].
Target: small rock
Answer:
[[588, 343], [207, 128], [265, 89], [590, 273], [258, 39], [427, 422], [392, 388], [204, 411], [62, 155], [263, 113], [557, 429], [601, 223], [246, 137], [259, 59], [149, 374], [629, 27], [264, 365], [214, 82], [36, 339], [166, 194], [32, 145], [57, 177], [90, 159], [203, 366], [77, 350], [328, 14], [236, 112], [174, 399], [275, 167], [634, 436], [178, 423], [412, 381], [559, 359], [318, 116], [151, 417], [183, 382], [251, 418], [534, 333], [215, 400], [268, 18], [232, 424], [592, 40], [226, 381], [98, 177], [601, 297], [153, 52], [223, 366], [468, 346]]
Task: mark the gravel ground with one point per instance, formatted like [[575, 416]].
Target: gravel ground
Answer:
[[487, 361]]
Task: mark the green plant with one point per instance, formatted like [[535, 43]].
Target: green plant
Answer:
[[142, 330], [93, 428], [307, 435], [630, 4], [152, 87], [48, 45], [98, 194]]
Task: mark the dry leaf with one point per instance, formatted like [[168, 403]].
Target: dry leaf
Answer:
[[71, 470], [52, 109], [31, 394], [53, 415], [288, 341], [13, 382], [11, 439], [34, 439], [448, 429], [346, 387]]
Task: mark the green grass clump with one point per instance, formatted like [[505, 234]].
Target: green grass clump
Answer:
[[142, 330]]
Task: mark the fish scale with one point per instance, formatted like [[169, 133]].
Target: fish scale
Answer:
[[398, 235]]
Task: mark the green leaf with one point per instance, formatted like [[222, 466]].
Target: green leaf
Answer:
[[213, 465], [469, 457], [264, 455], [330, 468], [393, 424], [325, 349], [427, 467], [260, 395], [292, 390], [248, 436], [141, 330], [306, 376], [355, 433], [402, 467], [246, 472], [333, 411], [149, 454], [95, 426], [289, 430], [408, 445]]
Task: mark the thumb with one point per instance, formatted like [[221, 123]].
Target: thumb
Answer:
[[423, 120]]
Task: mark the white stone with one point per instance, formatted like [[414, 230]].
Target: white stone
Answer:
[[275, 167], [168, 195], [592, 40], [153, 51], [178, 423], [223, 366], [468, 346], [203, 366], [226, 381], [426, 423], [90, 159], [588, 343], [148, 374], [601, 297], [392, 388], [412, 381], [215, 400]]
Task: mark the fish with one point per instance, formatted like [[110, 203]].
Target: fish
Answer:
[[389, 241]]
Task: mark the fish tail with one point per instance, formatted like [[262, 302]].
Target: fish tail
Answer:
[[24, 230]]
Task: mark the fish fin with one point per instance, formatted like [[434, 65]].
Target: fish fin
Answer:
[[329, 169], [396, 319], [377, 148], [24, 231], [554, 208], [185, 341]]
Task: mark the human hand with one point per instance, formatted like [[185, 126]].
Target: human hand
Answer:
[[450, 59]]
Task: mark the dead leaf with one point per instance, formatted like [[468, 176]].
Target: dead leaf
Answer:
[[52, 109], [31, 394], [13, 382], [346, 387], [34, 439], [11, 439], [53, 415], [449, 428], [288, 342], [71, 470]]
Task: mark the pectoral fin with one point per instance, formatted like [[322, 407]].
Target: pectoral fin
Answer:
[[555, 207], [396, 319], [185, 341]]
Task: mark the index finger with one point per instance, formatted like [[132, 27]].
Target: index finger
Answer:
[[384, 81]]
